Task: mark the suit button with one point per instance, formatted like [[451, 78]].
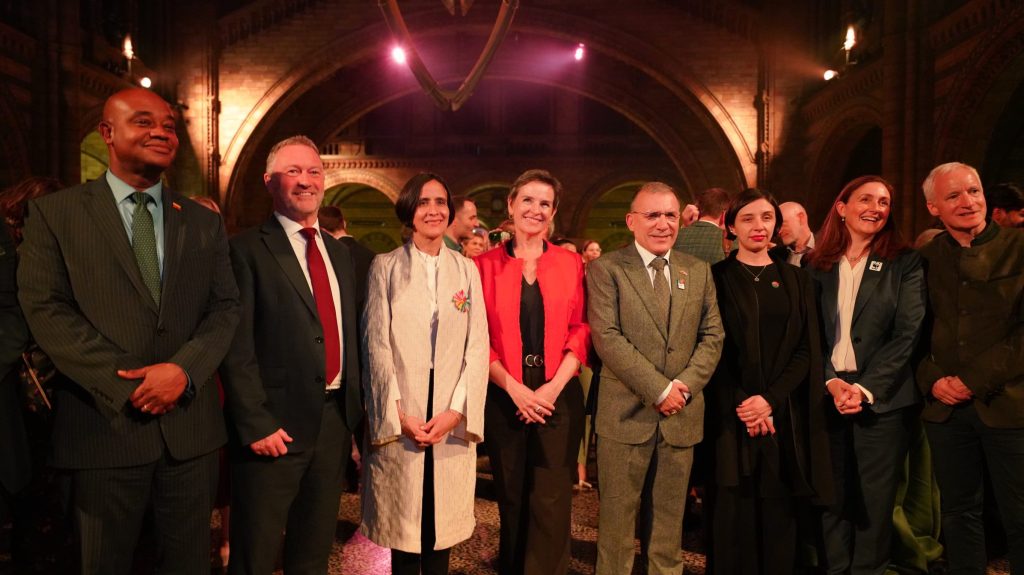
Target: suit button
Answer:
[[318, 339], [320, 379], [856, 340], [160, 331]]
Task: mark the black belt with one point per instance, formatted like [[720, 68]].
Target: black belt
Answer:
[[533, 360]]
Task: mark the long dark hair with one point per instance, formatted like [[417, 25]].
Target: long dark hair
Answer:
[[833, 238]]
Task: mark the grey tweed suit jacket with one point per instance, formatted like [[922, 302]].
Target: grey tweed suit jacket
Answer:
[[640, 355], [89, 309]]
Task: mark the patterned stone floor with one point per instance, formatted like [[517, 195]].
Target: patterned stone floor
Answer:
[[359, 556], [355, 555]]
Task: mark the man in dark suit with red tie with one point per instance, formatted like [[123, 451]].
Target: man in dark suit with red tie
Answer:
[[291, 378], [127, 287]]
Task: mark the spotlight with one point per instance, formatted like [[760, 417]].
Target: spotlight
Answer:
[[398, 55], [830, 74], [145, 82], [578, 55]]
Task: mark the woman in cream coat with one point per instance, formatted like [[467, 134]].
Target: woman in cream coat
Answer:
[[426, 352]]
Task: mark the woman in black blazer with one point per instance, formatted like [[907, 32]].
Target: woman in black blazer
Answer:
[[872, 296]]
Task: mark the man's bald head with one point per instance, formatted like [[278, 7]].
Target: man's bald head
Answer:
[[795, 232], [140, 131]]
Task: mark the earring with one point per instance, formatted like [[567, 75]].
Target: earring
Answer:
[[843, 218]]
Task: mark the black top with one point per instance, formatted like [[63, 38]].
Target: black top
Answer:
[[773, 304], [531, 318]]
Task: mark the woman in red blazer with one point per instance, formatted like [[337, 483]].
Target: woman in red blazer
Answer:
[[533, 422]]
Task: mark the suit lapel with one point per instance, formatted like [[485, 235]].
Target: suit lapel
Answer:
[[449, 283], [174, 238], [830, 301], [638, 275], [100, 204], [873, 270], [281, 249], [679, 288]]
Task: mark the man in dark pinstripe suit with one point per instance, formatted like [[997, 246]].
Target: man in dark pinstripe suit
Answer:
[[128, 287]]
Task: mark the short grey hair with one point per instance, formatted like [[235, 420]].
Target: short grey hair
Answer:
[[941, 170], [655, 188], [299, 140]]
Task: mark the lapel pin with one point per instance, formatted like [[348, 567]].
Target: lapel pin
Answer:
[[876, 266], [461, 301], [775, 284], [681, 284], [176, 206]]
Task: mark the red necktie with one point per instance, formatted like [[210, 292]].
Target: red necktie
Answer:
[[324, 303]]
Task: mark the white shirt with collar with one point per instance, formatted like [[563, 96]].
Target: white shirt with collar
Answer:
[[126, 208], [293, 230], [843, 357], [647, 258]]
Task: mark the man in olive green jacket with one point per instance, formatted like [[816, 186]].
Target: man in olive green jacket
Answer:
[[972, 376]]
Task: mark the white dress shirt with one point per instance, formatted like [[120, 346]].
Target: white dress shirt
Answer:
[[844, 359], [293, 230]]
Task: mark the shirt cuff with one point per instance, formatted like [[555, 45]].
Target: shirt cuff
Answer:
[[664, 394], [459, 399], [867, 394], [686, 394]]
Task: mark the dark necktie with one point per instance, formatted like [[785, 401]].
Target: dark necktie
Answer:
[[324, 303], [144, 244], [661, 291]]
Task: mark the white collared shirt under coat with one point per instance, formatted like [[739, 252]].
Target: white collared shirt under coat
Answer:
[[398, 355], [293, 230]]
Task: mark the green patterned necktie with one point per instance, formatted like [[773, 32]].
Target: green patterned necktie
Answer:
[[144, 244]]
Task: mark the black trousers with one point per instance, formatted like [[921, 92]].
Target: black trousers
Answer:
[[868, 452], [429, 561], [297, 494], [533, 467], [109, 506], [962, 447]]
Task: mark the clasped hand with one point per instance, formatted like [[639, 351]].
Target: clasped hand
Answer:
[[756, 415], [532, 406], [847, 397], [951, 390], [162, 385], [675, 400], [430, 432]]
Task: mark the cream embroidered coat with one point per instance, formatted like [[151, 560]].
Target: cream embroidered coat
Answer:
[[396, 353]]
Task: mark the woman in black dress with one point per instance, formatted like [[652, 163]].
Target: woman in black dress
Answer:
[[765, 418]]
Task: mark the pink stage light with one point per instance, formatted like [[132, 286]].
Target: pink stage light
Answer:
[[578, 55], [398, 55]]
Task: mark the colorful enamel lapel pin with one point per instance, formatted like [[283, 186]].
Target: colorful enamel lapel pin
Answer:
[[461, 301]]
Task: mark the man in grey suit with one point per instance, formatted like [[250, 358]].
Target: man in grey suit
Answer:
[[291, 378], [704, 239], [655, 324], [127, 287]]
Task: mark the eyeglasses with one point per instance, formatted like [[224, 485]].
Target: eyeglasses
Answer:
[[652, 217]]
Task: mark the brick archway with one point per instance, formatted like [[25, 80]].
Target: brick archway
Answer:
[[653, 89]]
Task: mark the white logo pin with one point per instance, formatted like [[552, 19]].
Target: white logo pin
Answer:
[[876, 266]]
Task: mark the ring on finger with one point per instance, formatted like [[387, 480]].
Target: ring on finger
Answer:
[[536, 409]]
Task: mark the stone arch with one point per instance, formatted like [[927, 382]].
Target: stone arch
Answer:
[[335, 176], [597, 190], [608, 224], [968, 116], [369, 212], [709, 120], [839, 137]]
